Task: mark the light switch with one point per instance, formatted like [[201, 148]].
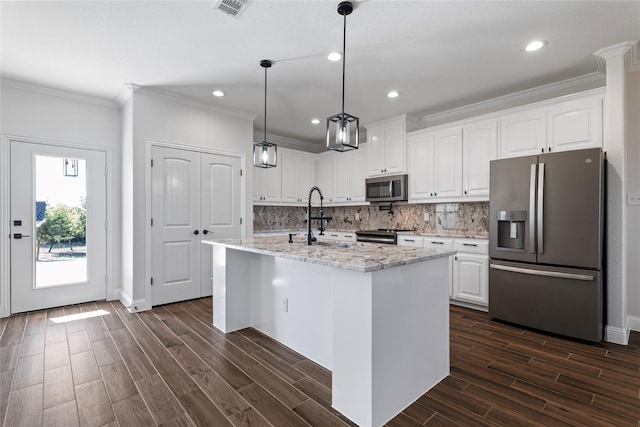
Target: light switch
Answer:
[[633, 199], [513, 231]]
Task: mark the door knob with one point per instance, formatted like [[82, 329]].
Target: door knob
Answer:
[[19, 235], [196, 232], [205, 231]]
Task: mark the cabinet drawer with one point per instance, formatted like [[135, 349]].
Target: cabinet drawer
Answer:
[[474, 246], [438, 243], [416, 241]]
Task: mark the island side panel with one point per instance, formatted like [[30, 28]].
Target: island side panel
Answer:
[[410, 334], [231, 289], [291, 303], [390, 338]]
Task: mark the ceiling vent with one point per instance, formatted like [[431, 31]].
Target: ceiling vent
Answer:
[[233, 8]]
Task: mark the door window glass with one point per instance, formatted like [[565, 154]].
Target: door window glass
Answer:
[[61, 221]]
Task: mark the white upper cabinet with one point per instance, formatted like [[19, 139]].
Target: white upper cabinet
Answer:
[[297, 176], [479, 147], [420, 148], [349, 175], [575, 125], [435, 165], [386, 151], [448, 163], [561, 126], [267, 185], [523, 134], [326, 177]]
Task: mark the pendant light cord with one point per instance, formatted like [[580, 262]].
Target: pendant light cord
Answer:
[[265, 104], [344, 61]]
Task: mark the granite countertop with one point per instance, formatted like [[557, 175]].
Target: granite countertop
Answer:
[[356, 256]]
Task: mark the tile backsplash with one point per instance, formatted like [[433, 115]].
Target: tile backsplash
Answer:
[[447, 219]]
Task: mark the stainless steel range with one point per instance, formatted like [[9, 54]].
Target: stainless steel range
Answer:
[[381, 235]]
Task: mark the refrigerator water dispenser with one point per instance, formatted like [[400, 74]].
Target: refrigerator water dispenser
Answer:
[[511, 230]]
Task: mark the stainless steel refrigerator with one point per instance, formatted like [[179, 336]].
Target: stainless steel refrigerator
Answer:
[[546, 242]]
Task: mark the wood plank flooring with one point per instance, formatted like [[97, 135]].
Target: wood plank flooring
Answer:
[[170, 367]]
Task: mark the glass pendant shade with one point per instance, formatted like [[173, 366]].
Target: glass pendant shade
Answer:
[[342, 139], [265, 155]]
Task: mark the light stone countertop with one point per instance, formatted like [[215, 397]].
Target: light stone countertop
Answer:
[[356, 256]]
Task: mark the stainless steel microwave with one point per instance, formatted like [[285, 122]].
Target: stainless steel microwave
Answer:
[[387, 189]]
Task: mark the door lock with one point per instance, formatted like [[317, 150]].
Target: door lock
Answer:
[[19, 235]]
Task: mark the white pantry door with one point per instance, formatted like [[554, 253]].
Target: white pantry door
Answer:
[[194, 196], [220, 208], [58, 226]]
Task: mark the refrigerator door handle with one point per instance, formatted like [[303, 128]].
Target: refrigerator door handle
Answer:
[[583, 277], [532, 210], [540, 216]]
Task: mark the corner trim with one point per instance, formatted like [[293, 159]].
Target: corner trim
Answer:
[[5, 228], [628, 49], [132, 306], [616, 335]]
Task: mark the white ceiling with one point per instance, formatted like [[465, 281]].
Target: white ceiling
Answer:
[[438, 54]]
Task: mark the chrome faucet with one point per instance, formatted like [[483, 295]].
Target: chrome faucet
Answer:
[[321, 217]]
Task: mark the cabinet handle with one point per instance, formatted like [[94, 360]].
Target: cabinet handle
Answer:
[[435, 194], [409, 240], [438, 243], [469, 244], [543, 149], [455, 258], [465, 191], [549, 149], [431, 194]]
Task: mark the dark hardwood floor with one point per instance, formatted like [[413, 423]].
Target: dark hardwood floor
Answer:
[[170, 367]]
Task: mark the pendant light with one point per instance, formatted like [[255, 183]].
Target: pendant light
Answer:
[[265, 154], [343, 122]]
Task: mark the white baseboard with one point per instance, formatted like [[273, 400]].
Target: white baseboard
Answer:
[[633, 323], [616, 335], [133, 306]]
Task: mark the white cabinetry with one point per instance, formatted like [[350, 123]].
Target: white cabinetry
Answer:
[[562, 126], [344, 236], [574, 125], [326, 176], [387, 142], [479, 147], [297, 176], [267, 185], [470, 271], [349, 176], [523, 133], [435, 165], [469, 278]]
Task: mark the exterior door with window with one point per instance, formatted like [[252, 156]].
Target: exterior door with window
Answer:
[[58, 226], [195, 196]]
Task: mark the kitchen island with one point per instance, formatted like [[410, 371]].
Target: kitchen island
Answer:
[[377, 316]]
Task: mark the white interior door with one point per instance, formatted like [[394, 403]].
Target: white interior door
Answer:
[[194, 196], [220, 208], [58, 226]]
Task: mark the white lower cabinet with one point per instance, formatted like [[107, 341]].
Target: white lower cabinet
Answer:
[[470, 271], [468, 278]]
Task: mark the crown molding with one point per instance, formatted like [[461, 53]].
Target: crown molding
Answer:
[[627, 49], [295, 144], [46, 90], [126, 93], [527, 96], [179, 99]]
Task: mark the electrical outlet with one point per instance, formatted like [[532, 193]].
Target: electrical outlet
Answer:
[[357, 216], [426, 216], [285, 305]]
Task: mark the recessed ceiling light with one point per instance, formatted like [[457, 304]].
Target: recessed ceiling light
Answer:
[[393, 94], [218, 93], [335, 56], [535, 45], [315, 121]]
